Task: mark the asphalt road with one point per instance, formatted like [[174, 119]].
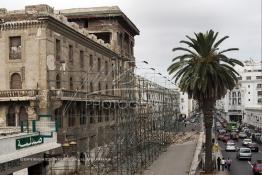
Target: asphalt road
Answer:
[[240, 167]]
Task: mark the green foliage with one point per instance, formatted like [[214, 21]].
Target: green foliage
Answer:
[[204, 71]]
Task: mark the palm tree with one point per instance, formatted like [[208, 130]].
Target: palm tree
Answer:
[[205, 73]]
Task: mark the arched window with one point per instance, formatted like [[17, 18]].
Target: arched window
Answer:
[[71, 83], [58, 81], [23, 116], [16, 81], [239, 94], [10, 117]]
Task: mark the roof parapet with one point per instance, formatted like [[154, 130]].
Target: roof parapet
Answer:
[[41, 8]]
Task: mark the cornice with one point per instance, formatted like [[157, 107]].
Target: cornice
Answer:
[[23, 24], [60, 27]]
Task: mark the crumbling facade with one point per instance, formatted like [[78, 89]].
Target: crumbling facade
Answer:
[[77, 65]]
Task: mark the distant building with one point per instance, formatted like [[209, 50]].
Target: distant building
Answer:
[[244, 103], [186, 105]]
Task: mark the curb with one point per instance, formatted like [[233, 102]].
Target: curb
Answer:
[[196, 159]]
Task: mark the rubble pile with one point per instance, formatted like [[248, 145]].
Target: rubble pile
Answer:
[[183, 137]]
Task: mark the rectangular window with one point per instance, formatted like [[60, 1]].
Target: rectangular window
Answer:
[[57, 50], [71, 120], [70, 54], [81, 58], [15, 47], [239, 78], [106, 67], [98, 64], [248, 77], [259, 77], [91, 63], [83, 116], [259, 93], [259, 85]]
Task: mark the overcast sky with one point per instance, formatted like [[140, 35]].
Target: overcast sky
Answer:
[[163, 23]]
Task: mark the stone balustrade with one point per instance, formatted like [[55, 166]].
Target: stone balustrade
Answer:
[[18, 93]]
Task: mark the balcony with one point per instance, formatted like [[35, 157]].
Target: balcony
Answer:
[[15, 54], [18, 95], [81, 95]]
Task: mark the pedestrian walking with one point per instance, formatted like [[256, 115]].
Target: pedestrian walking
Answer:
[[228, 162], [223, 163], [218, 163]]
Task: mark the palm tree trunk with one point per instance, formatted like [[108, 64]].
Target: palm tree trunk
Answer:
[[208, 121]]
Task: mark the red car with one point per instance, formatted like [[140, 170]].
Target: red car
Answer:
[[220, 136], [257, 167], [226, 138]]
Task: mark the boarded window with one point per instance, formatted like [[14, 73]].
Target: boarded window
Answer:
[[16, 82], [15, 47]]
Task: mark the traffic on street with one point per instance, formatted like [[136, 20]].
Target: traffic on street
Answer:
[[242, 145]]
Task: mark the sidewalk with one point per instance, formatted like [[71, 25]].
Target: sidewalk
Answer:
[[175, 161], [219, 173]]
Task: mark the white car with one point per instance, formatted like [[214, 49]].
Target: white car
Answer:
[[246, 141], [231, 146], [242, 135]]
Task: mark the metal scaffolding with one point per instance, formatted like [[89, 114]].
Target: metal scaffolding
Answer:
[[139, 126]]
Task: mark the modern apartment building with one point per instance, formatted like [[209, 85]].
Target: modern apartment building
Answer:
[[244, 103]]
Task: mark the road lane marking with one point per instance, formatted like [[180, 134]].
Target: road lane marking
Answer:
[[250, 164]]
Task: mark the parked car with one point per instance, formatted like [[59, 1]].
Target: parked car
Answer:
[[257, 167], [253, 147], [246, 141], [244, 153], [231, 146], [242, 135]]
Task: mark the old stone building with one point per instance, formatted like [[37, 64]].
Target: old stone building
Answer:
[[70, 67]]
